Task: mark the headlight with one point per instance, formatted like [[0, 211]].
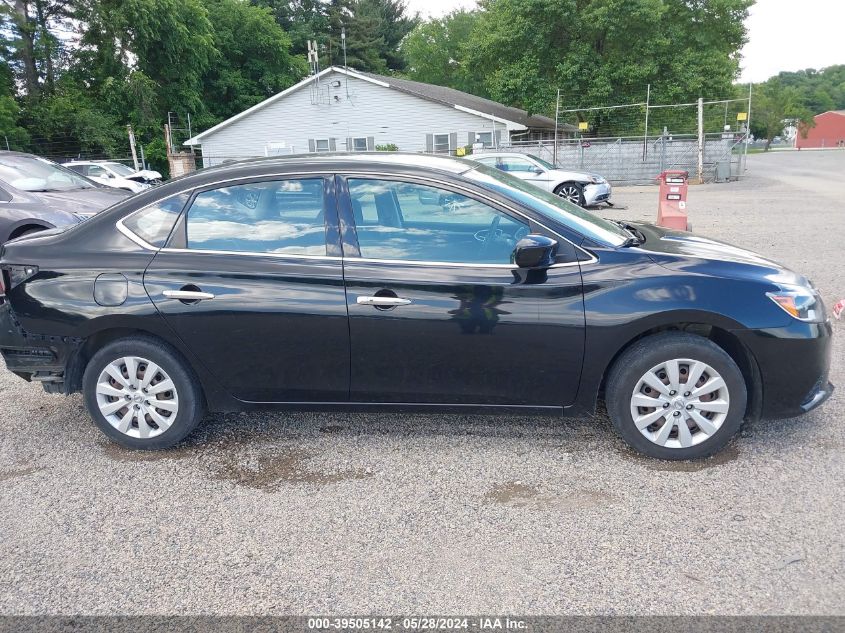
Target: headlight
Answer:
[[597, 180], [799, 302]]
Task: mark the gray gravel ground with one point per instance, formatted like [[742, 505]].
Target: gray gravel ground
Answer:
[[301, 513]]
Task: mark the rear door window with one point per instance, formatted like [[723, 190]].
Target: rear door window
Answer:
[[276, 216], [154, 223]]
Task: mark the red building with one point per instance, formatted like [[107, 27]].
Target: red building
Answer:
[[829, 131]]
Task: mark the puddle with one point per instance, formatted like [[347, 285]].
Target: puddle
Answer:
[[510, 492], [268, 472], [256, 466], [728, 454], [8, 475], [519, 495]]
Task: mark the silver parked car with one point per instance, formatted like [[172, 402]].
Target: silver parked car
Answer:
[[581, 188], [113, 174], [38, 194]]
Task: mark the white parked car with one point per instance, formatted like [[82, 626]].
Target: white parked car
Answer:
[[113, 174], [582, 188]]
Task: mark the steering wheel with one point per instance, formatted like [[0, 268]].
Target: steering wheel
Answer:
[[492, 233]]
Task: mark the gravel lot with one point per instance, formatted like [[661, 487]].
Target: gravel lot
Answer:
[[301, 513]]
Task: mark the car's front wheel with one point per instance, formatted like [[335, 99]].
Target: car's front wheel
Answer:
[[142, 394], [571, 191], [676, 395]]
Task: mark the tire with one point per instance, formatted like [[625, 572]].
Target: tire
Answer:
[[158, 418], [711, 418], [571, 191]]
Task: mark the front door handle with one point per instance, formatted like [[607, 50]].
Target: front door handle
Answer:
[[187, 295], [382, 302]]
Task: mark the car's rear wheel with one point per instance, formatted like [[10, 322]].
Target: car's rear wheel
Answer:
[[142, 394], [676, 396], [571, 191]]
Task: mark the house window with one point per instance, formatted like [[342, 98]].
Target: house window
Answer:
[[485, 138], [359, 144], [441, 144], [321, 145]]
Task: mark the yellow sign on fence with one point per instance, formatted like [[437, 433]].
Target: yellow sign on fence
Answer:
[[583, 126], [742, 116]]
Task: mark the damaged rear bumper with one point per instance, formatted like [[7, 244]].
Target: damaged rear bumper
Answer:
[[35, 357]]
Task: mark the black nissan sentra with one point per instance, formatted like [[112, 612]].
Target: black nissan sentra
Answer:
[[404, 282]]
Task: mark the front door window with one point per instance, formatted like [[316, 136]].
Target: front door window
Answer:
[[413, 222]]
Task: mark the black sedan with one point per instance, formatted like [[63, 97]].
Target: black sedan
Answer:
[[404, 282]]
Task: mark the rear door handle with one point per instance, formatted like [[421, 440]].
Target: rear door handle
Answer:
[[187, 295], [383, 302]]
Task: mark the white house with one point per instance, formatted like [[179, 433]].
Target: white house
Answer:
[[342, 109]]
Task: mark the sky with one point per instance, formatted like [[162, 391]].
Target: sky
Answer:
[[782, 34]]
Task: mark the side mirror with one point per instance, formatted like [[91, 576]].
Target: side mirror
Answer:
[[538, 171], [535, 251]]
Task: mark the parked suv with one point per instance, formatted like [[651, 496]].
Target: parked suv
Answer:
[[37, 194], [333, 282], [582, 188]]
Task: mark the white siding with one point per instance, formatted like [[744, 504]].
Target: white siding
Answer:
[[389, 116]]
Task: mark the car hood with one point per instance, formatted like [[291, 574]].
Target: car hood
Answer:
[[679, 250], [145, 175], [84, 201], [578, 176]]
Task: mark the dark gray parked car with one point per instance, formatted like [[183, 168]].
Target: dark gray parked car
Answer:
[[38, 194]]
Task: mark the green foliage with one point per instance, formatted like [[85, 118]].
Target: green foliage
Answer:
[[374, 30], [436, 50], [251, 61], [387, 147], [155, 153], [820, 90], [601, 52], [776, 105]]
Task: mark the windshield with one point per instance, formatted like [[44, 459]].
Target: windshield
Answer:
[[120, 170], [550, 205], [544, 163], [30, 173]]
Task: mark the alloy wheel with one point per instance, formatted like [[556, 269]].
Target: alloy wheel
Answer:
[[137, 397], [680, 403], [571, 193]]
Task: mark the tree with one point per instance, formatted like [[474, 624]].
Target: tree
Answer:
[[435, 52], [605, 52], [32, 48], [374, 30], [252, 59], [820, 90], [774, 107]]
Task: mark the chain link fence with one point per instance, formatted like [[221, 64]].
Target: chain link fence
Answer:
[[632, 144]]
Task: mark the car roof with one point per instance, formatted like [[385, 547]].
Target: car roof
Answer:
[[348, 160], [502, 155]]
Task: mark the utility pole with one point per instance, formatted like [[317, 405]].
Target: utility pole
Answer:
[[132, 146], [557, 113], [747, 129], [700, 141], [645, 133]]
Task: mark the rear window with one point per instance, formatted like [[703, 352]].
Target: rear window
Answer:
[[154, 223]]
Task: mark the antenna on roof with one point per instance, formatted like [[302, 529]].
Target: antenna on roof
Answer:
[[313, 58], [345, 68]]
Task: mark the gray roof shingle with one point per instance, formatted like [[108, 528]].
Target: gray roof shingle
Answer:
[[450, 96]]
